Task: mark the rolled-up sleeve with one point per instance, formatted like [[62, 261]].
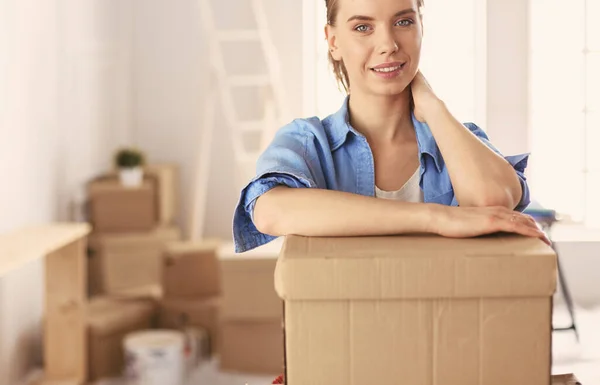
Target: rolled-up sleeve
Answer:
[[285, 162], [518, 162]]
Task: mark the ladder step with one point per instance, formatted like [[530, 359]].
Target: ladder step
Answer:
[[249, 80], [252, 126], [239, 35]]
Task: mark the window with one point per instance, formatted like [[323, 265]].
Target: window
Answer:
[[453, 58], [565, 107]]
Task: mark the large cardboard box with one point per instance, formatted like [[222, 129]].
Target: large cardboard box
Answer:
[[424, 309], [191, 270], [109, 321], [201, 313], [254, 347], [115, 209], [247, 279], [119, 262]]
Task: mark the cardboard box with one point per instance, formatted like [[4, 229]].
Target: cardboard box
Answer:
[[116, 209], [109, 321], [565, 379], [167, 181], [191, 269], [119, 262], [254, 347], [200, 313], [248, 291], [425, 309]]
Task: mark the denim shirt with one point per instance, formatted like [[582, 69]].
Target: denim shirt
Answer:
[[331, 154]]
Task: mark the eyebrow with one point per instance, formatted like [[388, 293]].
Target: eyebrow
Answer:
[[369, 18]]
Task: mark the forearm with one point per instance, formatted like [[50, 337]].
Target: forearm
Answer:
[[480, 177], [317, 212]]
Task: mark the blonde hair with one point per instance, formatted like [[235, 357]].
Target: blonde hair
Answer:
[[339, 70]]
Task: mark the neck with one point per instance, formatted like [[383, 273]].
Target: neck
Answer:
[[378, 117]]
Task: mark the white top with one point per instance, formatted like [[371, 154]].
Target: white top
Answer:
[[410, 192]]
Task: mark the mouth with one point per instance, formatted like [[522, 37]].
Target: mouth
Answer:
[[388, 70]]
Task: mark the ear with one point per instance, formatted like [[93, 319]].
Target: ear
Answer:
[[330, 35]]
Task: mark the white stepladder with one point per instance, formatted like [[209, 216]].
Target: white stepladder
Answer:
[[220, 94]]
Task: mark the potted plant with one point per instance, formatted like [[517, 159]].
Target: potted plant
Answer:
[[130, 162]]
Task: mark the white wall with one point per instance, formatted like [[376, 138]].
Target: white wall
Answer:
[[64, 105], [507, 75]]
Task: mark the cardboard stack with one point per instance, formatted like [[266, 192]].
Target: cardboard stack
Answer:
[[423, 309], [191, 288], [131, 229], [251, 327]]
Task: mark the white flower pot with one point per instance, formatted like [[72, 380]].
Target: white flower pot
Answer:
[[131, 177]]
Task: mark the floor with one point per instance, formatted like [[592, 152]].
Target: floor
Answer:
[[581, 358], [569, 356]]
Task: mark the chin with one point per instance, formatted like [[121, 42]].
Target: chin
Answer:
[[390, 89]]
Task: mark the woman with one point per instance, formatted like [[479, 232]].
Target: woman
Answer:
[[393, 138]]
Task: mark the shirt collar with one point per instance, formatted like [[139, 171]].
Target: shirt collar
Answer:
[[339, 127]]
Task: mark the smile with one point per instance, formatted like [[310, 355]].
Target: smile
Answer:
[[388, 71]]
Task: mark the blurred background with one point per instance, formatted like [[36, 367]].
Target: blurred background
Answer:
[[81, 79]]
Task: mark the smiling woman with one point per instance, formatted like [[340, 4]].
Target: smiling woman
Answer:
[[392, 160]]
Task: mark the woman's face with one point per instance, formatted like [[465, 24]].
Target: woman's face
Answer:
[[379, 42]]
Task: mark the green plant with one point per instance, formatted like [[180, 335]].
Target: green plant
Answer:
[[129, 158]]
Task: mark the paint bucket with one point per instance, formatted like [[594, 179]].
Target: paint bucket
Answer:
[[155, 357]]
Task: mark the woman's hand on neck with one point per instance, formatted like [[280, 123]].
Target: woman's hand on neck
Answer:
[[382, 117]]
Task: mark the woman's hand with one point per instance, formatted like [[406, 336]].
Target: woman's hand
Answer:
[[424, 99], [465, 222]]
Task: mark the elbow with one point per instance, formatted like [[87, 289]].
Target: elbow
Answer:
[[266, 216], [500, 197], [496, 197]]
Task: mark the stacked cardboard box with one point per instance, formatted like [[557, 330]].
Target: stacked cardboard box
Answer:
[[251, 327], [131, 229], [423, 309], [191, 288], [120, 262], [109, 321]]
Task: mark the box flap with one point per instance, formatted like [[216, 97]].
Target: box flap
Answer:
[[189, 247], [565, 379], [114, 185], [414, 267], [112, 241]]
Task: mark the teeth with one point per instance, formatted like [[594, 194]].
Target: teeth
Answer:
[[389, 69]]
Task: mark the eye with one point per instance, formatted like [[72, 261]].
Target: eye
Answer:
[[361, 28], [405, 22]]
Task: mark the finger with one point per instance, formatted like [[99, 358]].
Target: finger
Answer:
[[523, 219], [546, 240], [520, 227], [530, 232]]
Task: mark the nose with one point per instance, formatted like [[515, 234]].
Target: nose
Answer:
[[387, 42]]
